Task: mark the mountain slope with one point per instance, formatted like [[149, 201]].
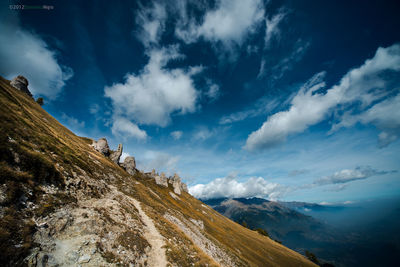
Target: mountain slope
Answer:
[[62, 203], [280, 221], [296, 230]]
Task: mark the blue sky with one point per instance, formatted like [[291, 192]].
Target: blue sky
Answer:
[[289, 100]]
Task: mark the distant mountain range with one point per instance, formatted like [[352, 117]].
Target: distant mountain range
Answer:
[[322, 229]]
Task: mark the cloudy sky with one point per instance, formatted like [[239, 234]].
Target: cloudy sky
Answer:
[[290, 100]]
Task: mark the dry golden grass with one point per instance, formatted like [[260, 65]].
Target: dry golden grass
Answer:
[[38, 135]]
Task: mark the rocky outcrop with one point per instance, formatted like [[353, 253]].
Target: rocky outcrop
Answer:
[[116, 155], [184, 187], [129, 165], [161, 180], [21, 83], [176, 183], [102, 146]]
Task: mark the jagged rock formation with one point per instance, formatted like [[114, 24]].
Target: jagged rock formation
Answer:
[[102, 146], [21, 83], [177, 184], [161, 179], [116, 155], [129, 165], [184, 187]]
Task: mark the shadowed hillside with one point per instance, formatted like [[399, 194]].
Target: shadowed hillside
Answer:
[[63, 203]]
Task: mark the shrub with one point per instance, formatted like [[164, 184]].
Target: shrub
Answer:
[[40, 101], [262, 231], [311, 256]]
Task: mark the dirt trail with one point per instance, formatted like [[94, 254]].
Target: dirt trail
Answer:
[[157, 256]]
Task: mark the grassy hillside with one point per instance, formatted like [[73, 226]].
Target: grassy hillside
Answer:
[[62, 202]]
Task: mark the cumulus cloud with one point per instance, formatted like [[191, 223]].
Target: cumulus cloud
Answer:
[[349, 175], [229, 22], [26, 53], [151, 22], [362, 85], [231, 188], [125, 128], [152, 95], [176, 134]]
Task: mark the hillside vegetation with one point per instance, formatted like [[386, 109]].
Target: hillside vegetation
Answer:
[[62, 203]]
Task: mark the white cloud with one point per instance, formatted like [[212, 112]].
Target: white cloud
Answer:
[[151, 22], [262, 106], [230, 22], [213, 91], [24, 52], [229, 187], [123, 156], [363, 85], [125, 128], [72, 122], [202, 133], [277, 71], [177, 134], [348, 175], [385, 115], [152, 95], [271, 28]]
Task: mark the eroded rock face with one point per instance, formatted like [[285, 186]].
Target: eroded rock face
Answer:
[[176, 184], [184, 187], [130, 165], [161, 180], [21, 83], [102, 146], [116, 155]]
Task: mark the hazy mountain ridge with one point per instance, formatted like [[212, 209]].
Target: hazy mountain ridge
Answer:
[[62, 203], [338, 234]]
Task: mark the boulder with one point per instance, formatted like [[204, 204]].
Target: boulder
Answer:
[[161, 179], [102, 146], [130, 165], [21, 83], [116, 155]]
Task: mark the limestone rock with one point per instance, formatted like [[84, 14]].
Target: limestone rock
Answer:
[[84, 259], [116, 155], [21, 83], [161, 180], [184, 187], [176, 184], [130, 165], [102, 146]]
